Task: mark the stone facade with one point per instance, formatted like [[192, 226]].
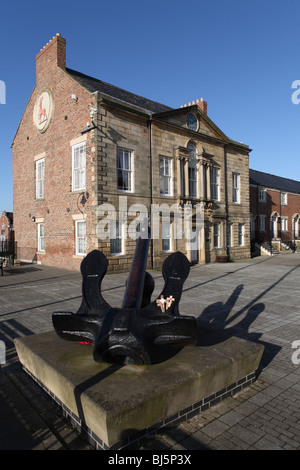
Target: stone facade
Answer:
[[85, 148]]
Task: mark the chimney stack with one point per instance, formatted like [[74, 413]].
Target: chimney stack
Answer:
[[202, 105], [53, 54]]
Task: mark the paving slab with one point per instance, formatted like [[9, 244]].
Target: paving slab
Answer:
[[30, 293]]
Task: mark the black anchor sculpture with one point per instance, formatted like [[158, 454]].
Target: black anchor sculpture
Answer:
[[132, 333]]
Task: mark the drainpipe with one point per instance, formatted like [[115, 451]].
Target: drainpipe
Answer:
[[151, 188], [226, 201], [280, 222]]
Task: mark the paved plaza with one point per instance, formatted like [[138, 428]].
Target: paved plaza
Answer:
[[257, 299]]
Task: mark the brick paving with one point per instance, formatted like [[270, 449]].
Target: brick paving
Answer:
[[256, 299]]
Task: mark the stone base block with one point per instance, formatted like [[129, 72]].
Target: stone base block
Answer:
[[114, 405]]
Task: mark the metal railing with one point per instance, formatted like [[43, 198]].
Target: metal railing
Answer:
[[8, 250]]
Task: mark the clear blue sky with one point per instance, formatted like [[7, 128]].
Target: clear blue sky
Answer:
[[240, 56]]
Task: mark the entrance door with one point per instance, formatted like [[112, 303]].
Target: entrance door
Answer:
[[274, 226]]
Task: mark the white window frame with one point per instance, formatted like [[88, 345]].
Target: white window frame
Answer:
[[262, 223], [40, 178], [119, 236], [284, 224], [41, 237], [165, 176], [241, 234], [79, 237], [214, 183], [166, 237], [284, 199], [79, 170], [262, 195], [216, 235], [296, 227], [122, 153], [236, 188]]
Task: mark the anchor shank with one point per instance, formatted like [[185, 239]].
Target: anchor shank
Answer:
[[135, 284]]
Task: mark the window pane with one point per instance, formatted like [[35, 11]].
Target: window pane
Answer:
[[166, 236], [192, 167], [124, 171], [165, 245], [214, 182], [216, 235], [283, 198], [79, 167], [192, 182], [40, 172], [235, 187], [168, 167], [41, 243], [116, 244], [241, 234], [119, 159], [81, 237], [165, 180], [81, 245]]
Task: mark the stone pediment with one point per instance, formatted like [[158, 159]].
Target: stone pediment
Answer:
[[193, 119]]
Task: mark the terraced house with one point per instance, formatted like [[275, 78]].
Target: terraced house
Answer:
[[275, 212], [83, 144]]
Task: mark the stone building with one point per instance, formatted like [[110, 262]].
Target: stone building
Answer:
[[274, 211], [86, 150]]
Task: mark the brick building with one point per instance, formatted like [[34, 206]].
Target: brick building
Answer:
[[6, 224], [274, 211], [83, 144], [7, 239]]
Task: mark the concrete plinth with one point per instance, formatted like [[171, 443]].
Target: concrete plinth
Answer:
[[114, 404]]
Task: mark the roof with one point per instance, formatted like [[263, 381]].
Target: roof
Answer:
[[271, 181], [8, 215], [152, 108], [93, 85]]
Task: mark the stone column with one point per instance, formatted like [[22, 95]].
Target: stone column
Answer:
[[208, 196], [201, 180], [178, 169], [186, 177]]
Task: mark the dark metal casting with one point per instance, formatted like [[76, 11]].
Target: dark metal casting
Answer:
[[134, 332]]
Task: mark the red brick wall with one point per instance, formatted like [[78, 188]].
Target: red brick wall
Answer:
[[273, 204], [59, 203]]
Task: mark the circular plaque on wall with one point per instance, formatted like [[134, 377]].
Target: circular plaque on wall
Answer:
[[43, 110]]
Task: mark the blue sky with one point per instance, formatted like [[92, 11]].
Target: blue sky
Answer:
[[240, 56]]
